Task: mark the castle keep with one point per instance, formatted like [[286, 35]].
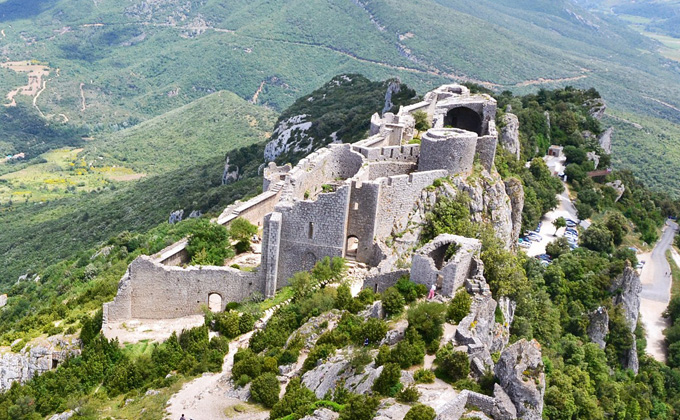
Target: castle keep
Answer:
[[343, 200]]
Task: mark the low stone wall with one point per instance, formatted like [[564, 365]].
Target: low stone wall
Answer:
[[150, 290], [386, 169], [254, 209], [379, 282]]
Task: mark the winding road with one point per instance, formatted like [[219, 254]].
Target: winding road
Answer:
[[656, 292]]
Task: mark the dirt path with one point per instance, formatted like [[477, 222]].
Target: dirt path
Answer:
[[257, 93], [82, 98], [35, 84], [656, 293]]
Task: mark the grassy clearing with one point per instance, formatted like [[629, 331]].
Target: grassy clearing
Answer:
[[61, 174]]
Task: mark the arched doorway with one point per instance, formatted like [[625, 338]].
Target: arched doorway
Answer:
[[352, 247], [215, 302], [464, 118]]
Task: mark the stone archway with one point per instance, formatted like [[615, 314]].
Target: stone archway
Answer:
[[351, 247], [215, 302], [464, 118]]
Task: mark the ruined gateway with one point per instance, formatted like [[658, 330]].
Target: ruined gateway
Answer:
[[344, 200]]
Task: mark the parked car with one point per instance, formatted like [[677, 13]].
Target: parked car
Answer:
[[571, 230], [535, 236], [640, 264], [538, 228], [524, 243], [544, 257], [571, 224]]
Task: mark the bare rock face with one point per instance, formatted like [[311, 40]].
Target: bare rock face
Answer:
[[520, 373], [376, 310], [21, 367], [396, 334], [598, 328], [618, 186], [489, 202], [230, 174], [325, 376], [63, 416], [391, 410], [515, 191], [627, 288], [509, 137], [605, 140], [322, 414], [597, 108]]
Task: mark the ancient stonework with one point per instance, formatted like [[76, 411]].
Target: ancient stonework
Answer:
[[345, 200]]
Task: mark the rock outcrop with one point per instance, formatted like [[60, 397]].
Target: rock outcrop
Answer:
[[515, 191], [598, 328], [36, 360], [230, 174], [605, 140], [325, 376], [289, 135], [520, 374], [509, 137], [626, 289], [322, 414], [619, 187]]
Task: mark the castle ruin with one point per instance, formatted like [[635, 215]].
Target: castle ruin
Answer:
[[343, 200]]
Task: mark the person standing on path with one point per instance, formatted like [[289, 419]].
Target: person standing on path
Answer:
[[432, 290]]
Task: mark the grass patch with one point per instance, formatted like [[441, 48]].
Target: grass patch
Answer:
[[242, 408], [675, 274]]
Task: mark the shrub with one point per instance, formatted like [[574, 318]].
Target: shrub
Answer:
[[366, 296], [424, 376], [297, 399], [319, 352], [246, 323], [360, 407], [360, 358], [383, 355], [387, 383], [420, 412], [265, 389], [393, 301], [407, 354], [459, 307], [452, 365], [209, 244], [344, 298], [410, 290], [427, 318], [227, 324], [242, 231], [409, 394], [373, 329]]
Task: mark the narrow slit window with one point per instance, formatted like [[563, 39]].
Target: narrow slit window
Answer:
[[311, 230]]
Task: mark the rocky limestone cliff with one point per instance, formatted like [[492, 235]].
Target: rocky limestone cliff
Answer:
[[36, 359], [509, 137], [626, 289], [598, 328], [605, 140], [290, 135], [520, 373]]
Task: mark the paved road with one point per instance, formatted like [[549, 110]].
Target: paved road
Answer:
[[656, 293]]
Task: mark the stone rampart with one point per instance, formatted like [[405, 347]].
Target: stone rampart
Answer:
[[397, 196], [328, 165], [150, 290], [363, 214], [311, 230], [407, 153], [386, 169], [452, 149], [254, 209]]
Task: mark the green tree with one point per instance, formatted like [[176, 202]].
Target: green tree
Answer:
[[557, 247], [265, 389], [387, 383], [297, 399], [360, 407], [459, 307], [597, 238], [242, 232], [559, 223], [344, 298], [420, 412], [393, 301], [422, 123], [209, 244], [451, 364], [427, 318]]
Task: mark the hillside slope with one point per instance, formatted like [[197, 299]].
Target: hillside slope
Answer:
[[193, 133]]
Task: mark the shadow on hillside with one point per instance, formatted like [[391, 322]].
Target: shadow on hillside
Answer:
[[23, 9]]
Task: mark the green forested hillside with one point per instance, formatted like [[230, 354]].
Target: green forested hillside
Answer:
[[123, 63], [189, 135]]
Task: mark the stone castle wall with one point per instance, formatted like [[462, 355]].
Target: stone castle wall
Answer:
[[311, 230], [150, 290], [363, 214], [397, 196], [331, 164], [254, 209]]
